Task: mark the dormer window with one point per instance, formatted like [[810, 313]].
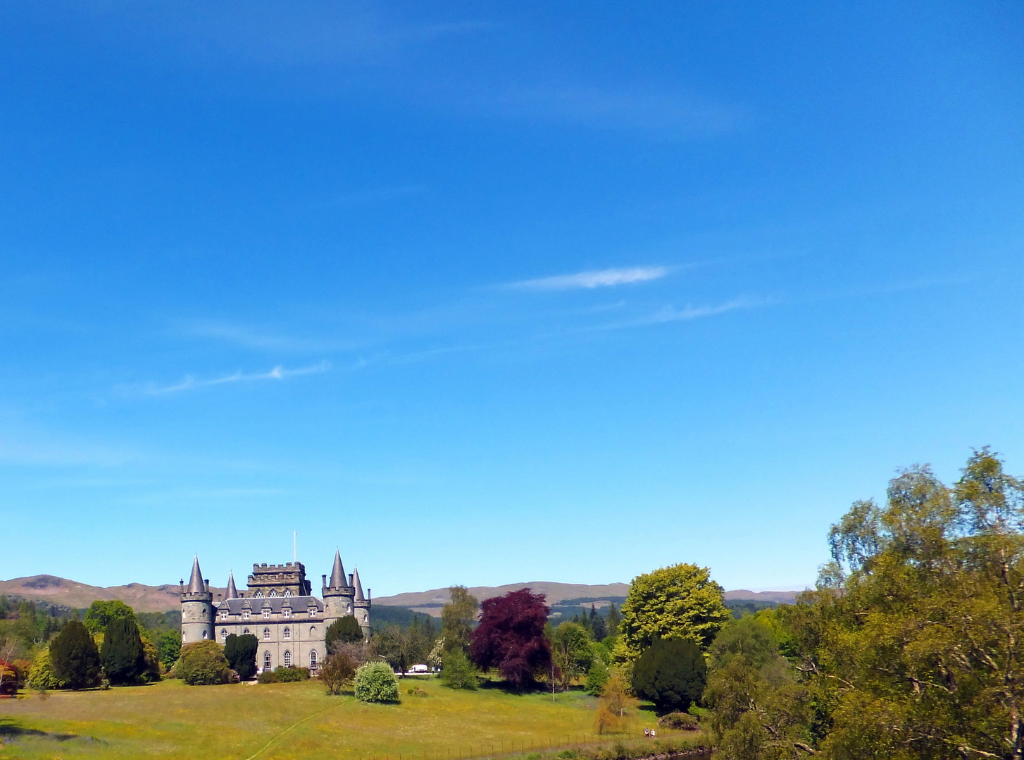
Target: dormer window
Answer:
[[287, 592], [286, 611], [266, 612], [312, 611], [258, 595], [245, 614], [273, 593], [223, 614]]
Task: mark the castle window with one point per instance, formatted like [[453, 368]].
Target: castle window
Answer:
[[287, 592], [287, 633], [266, 633], [245, 632], [312, 611], [273, 593], [266, 660], [223, 633], [223, 614], [312, 660], [258, 595], [312, 632], [205, 635], [266, 612], [286, 611], [245, 615], [287, 659]]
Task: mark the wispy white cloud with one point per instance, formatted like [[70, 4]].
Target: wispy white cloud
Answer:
[[277, 373], [601, 278], [248, 337], [672, 314]]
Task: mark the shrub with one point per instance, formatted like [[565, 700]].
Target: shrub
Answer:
[[203, 664], [677, 720], [268, 676], [169, 647], [671, 673], [8, 679], [457, 672], [291, 675], [122, 654], [337, 670], [376, 682], [74, 657], [416, 691], [240, 652]]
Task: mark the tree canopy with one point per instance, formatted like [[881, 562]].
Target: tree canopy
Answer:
[[458, 618], [240, 652], [100, 614], [74, 658], [671, 673], [345, 629], [511, 637], [677, 602], [122, 653]]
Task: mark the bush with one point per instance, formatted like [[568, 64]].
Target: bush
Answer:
[[416, 691], [74, 657], [681, 721], [203, 664], [337, 670], [268, 676], [8, 679], [240, 652], [457, 672], [376, 682], [122, 654], [169, 647], [671, 673], [291, 675]]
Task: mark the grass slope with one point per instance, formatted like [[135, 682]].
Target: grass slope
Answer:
[[296, 720]]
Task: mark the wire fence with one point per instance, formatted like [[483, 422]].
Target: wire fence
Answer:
[[508, 748]]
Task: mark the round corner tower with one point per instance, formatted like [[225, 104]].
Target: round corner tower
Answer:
[[196, 608], [362, 605], [339, 596]]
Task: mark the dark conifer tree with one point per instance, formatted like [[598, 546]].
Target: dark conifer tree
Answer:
[[240, 652], [74, 657], [345, 630], [671, 673], [122, 655], [613, 619], [597, 624]]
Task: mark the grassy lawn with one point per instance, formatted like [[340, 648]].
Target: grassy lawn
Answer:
[[296, 720]]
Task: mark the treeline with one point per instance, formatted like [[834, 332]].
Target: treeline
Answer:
[[109, 644]]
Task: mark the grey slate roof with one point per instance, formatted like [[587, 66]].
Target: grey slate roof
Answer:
[[195, 583], [338, 573], [358, 585], [276, 603], [232, 592]]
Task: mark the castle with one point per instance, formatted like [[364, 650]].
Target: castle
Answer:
[[278, 608]]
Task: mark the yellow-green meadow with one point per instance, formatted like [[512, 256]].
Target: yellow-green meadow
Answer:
[[295, 720]]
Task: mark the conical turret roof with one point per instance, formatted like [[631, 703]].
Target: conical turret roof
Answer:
[[232, 592], [195, 583], [338, 573], [358, 585]]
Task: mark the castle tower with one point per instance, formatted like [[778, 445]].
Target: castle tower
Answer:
[[232, 592], [362, 605], [339, 596], [196, 608]]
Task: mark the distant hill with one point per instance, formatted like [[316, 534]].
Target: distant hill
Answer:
[[54, 590]]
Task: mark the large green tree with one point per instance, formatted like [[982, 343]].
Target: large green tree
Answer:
[[671, 673], [913, 643], [458, 618], [74, 658], [677, 602], [240, 652], [122, 654], [572, 650], [100, 614]]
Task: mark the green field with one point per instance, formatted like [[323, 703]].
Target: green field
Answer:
[[296, 720]]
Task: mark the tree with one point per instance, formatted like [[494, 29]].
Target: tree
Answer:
[[122, 654], [613, 620], [74, 658], [345, 629], [572, 651], [336, 671], [677, 602], [613, 705], [597, 624], [376, 682], [100, 614], [457, 672], [511, 637], [759, 710], [240, 652], [401, 648], [202, 663], [911, 645], [671, 673], [41, 675], [458, 618], [169, 647], [597, 677]]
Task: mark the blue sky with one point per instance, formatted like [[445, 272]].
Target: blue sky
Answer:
[[484, 293]]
